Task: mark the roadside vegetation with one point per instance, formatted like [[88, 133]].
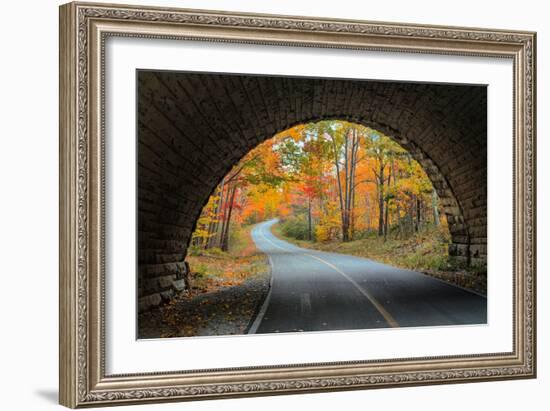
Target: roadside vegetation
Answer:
[[213, 268], [225, 290], [424, 251]]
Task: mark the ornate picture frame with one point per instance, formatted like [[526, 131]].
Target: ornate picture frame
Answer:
[[84, 29]]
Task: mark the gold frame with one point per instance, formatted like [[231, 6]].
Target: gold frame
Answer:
[[83, 30]]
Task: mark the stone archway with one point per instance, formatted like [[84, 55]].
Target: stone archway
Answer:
[[192, 128]]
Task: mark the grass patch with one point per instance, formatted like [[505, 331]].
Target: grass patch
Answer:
[[214, 268], [425, 251]]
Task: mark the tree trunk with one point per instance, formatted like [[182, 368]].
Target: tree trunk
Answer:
[[214, 226], [435, 207], [346, 191], [345, 214], [387, 206], [352, 216], [225, 235], [309, 228], [397, 206], [418, 204], [412, 211], [381, 200], [340, 193], [223, 215], [367, 212], [353, 167]]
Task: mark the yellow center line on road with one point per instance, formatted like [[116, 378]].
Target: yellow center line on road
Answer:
[[387, 316]]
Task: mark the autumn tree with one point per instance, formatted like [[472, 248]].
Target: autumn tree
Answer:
[[335, 143], [335, 177], [305, 158], [384, 152], [203, 233]]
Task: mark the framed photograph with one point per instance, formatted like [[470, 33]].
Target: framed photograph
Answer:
[[260, 204]]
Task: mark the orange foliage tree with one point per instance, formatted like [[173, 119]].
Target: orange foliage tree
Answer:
[[335, 179]]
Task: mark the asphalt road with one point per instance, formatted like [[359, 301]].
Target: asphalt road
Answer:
[[319, 291]]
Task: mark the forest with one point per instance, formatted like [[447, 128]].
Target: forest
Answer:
[[327, 182]]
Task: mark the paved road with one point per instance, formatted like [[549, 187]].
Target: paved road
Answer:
[[315, 291]]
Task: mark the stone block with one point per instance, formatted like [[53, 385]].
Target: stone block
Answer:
[[179, 285], [458, 250], [167, 295], [149, 285], [149, 301], [182, 270], [478, 250], [165, 282], [479, 262]]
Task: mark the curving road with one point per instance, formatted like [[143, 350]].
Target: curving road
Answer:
[[316, 291]]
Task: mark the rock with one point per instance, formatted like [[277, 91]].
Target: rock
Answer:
[[182, 270], [179, 285], [167, 295], [148, 302], [165, 282]]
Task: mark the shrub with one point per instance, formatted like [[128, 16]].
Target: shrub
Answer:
[[216, 252], [194, 250], [295, 228]]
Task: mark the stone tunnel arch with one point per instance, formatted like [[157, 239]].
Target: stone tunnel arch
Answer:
[[193, 127]]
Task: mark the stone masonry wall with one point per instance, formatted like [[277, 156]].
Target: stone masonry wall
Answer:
[[192, 128]]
